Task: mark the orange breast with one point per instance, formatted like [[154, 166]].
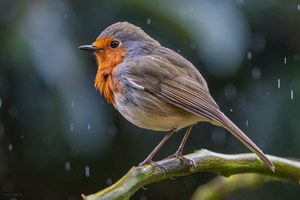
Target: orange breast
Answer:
[[107, 83], [106, 80]]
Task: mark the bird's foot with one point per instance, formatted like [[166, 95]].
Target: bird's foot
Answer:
[[155, 164], [189, 162]]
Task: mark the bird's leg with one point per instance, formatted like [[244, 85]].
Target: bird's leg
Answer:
[[178, 153], [148, 160]]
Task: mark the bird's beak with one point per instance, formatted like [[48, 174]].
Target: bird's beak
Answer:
[[90, 48]]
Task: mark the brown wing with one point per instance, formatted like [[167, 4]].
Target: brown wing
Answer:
[[174, 85], [199, 102], [188, 96]]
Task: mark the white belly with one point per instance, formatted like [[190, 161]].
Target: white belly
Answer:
[[160, 116]]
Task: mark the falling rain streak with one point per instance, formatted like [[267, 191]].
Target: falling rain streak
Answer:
[[108, 181], [0, 102], [292, 94], [148, 21], [67, 166], [10, 147], [249, 55], [278, 83], [247, 122], [71, 127], [285, 60], [87, 171]]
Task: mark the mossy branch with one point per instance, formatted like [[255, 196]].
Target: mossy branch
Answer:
[[205, 160]]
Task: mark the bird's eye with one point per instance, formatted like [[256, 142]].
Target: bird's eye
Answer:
[[114, 44]]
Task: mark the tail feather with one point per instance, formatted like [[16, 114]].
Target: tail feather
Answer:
[[231, 127]]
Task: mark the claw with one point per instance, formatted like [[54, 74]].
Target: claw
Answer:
[[178, 153], [154, 164], [191, 163]]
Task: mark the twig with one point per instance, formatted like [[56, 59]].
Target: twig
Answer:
[[205, 160]]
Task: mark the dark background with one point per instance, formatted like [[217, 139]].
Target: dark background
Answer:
[[59, 138]]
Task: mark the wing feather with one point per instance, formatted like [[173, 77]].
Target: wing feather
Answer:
[[200, 103], [174, 85]]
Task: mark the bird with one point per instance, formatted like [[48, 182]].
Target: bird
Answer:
[[155, 88]]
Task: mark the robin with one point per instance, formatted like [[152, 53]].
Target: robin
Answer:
[[155, 88]]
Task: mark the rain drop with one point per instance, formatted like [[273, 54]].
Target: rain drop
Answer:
[[292, 94], [10, 147], [72, 127], [72, 104], [298, 7], [247, 123], [89, 127], [87, 171], [231, 110], [148, 21], [284, 60], [0, 102], [278, 83], [67, 166], [108, 181], [249, 55]]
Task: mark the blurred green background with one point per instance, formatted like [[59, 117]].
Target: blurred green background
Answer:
[[59, 137]]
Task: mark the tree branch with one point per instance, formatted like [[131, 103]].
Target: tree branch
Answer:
[[205, 160]]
